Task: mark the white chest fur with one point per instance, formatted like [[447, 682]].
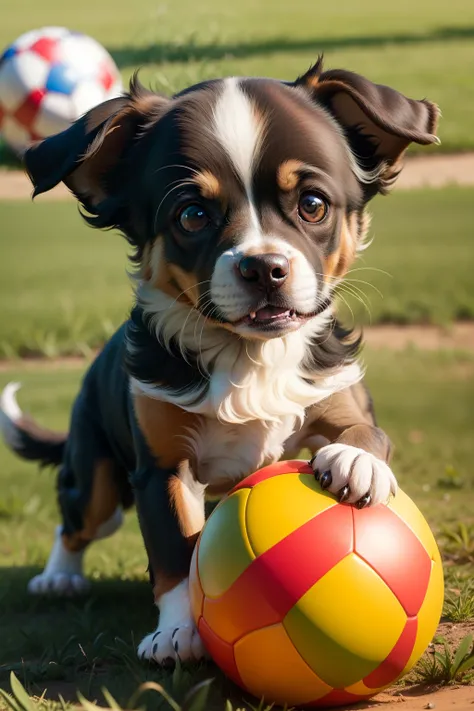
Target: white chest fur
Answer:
[[224, 453]]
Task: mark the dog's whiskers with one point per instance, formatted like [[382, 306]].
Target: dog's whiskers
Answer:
[[176, 165]]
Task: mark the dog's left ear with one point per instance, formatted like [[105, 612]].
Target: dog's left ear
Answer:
[[90, 156], [379, 122]]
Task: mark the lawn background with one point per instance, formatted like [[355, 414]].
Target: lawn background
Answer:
[[425, 49]]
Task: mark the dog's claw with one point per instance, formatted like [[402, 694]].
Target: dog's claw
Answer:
[[343, 494], [364, 501], [325, 480]]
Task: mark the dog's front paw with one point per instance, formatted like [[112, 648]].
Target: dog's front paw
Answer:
[[58, 584], [354, 475], [167, 645]]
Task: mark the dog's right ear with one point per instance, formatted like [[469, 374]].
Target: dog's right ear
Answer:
[[87, 156]]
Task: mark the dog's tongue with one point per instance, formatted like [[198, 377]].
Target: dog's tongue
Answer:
[[269, 312]]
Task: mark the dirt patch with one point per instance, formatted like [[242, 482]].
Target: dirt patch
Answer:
[[434, 171], [417, 698], [457, 336], [437, 171], [454, 632], [15, 185], [45, 363]]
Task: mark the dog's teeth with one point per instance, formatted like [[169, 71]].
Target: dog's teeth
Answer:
[[253, 315]]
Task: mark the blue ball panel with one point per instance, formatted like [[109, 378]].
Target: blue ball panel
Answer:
[[9, 52], [61, 79]]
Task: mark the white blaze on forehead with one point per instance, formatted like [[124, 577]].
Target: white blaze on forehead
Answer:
[[239, 130]]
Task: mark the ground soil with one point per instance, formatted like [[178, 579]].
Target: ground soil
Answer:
[[457, 336], [420, 171], [416, 698]]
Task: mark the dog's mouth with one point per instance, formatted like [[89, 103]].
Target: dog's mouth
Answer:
[[276, 318]]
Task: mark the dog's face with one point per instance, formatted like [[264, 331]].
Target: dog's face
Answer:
[[244, 198], [251, 199]]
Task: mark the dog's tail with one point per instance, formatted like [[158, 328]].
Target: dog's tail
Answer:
[[26, 437]]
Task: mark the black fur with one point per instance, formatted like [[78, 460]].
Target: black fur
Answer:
[[27, 446], [150, 362]]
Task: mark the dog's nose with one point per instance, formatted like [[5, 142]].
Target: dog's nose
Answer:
[[266, 270]]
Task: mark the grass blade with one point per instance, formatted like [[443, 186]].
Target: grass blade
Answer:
[[196, 698], [461, 652], [10, 701], [153, 686], [20, 693], [87, 705], [466, 665], [110, 699]]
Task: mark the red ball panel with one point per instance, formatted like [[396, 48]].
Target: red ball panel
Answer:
[[46, 47], [395, 663], [296, 466], [289, 570], [105, 76], [27, 112], [386, 543], [221, 652]]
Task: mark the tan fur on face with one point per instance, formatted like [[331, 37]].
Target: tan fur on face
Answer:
[[156, 270], [208, 185], [187, 282], [341, 259], [287, 175]]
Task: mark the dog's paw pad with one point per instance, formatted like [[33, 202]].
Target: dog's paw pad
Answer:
[[354, 475], [59, 584], [168, 645]]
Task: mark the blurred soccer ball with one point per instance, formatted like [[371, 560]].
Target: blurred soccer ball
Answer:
[[48, 78]]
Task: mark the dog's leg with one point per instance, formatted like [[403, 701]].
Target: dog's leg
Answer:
[[354, 464], [170, 505], [100, 518]]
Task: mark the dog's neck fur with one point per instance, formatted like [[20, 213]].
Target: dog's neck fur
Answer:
[[237, 380]]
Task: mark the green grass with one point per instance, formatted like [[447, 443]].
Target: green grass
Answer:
[[423, 49], [63, 286], [67, 645]]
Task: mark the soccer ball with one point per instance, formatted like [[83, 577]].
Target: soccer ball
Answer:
[[305, 601], [48, 78]]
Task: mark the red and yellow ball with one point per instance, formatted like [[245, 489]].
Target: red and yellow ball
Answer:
[[305, 601]]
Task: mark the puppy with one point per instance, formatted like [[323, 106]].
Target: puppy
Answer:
[[244, 201]]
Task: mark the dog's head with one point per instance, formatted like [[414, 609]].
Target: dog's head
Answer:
[[243, 198]]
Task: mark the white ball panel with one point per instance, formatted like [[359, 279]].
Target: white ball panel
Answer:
[[54, 32], [55, 114], [18, 76], [87, 95], [83, 53], [27, 39]]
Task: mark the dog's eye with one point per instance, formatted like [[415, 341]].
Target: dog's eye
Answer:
[[193, 218], [312, 207]]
